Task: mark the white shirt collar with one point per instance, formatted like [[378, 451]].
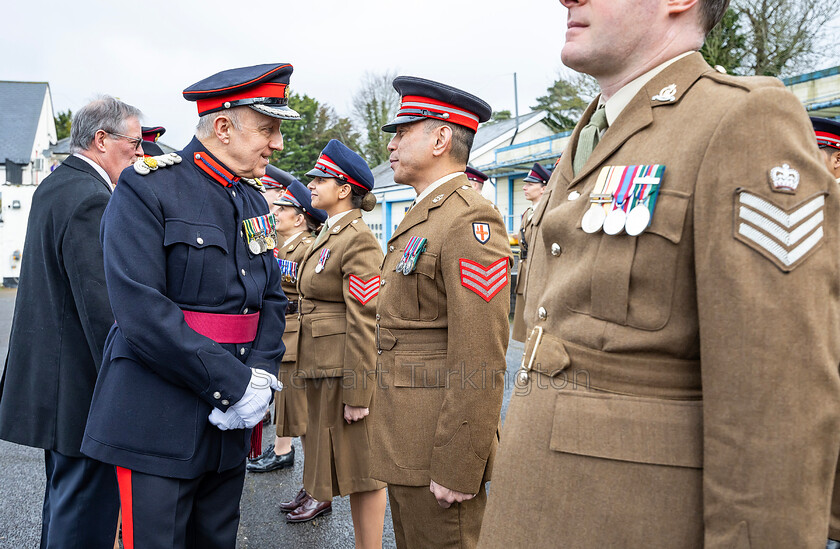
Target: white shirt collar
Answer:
[[622, 97], [428, 190], [288, 240], [334, 219], [96, 167]]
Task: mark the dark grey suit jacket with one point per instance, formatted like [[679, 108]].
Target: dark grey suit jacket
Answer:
[[62, 314]]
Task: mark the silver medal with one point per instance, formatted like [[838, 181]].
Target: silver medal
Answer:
[[593, 219], [637, 220], [614, 223], [254, 246], [319, 268]]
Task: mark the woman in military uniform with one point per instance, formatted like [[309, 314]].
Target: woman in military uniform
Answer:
[[296, 223], [338, 283]]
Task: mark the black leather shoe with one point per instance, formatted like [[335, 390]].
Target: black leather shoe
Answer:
[[266, 453], [269, 461]]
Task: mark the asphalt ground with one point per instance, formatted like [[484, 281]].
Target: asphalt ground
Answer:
[[262, 526]]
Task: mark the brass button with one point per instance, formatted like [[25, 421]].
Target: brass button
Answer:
[[377, 316], [542, 313], [245, 311], [523, 376], [243, 272], [556, 250], [242, 351], [199, 240], [390, 248], [382, 283], [217, 395]]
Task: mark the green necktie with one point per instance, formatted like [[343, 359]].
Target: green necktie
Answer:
[[322, 235], [589, 136]]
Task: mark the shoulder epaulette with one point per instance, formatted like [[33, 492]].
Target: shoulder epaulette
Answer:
[[149, 164]]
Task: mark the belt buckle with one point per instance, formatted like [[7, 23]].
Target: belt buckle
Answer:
[[536, 337]]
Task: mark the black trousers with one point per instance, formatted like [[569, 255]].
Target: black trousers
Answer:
[[170, 513], [81, 503]]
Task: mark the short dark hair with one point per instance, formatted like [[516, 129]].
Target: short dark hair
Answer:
[[711, 12], [462, 138]]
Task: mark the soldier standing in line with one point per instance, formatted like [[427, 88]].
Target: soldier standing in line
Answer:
[[679, 386], [442, 322], [533, 188]]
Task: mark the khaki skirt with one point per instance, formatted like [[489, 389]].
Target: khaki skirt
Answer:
[[290, 413], [337, 457]]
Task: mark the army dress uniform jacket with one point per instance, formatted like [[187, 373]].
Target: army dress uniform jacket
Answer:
[[290, 403], [173, 241], [62, 314], [525, 233], [442, 334], [681, 386], [337, 308]]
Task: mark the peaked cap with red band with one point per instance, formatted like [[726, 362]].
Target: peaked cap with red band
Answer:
[[264, 88], [475, 175], [298, 196], [338, 161], [275, 178], [538, 174], [152, 133], [828, 132], [421, 98]]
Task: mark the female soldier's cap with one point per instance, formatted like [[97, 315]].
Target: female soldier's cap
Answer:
[[338, 161], [152, 133], [421, 98], [264, 88], [275, 178], [538, 174], [298, 196]]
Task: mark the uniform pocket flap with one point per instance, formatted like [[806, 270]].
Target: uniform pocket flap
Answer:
[[292, 325], [629, 428], [669, 215], [426, 264], [329, 326], [420, 369], [198, 235]]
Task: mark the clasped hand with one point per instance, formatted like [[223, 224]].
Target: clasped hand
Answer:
[[250, 409]]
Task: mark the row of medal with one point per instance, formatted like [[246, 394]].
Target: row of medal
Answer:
[[259, 233], [623, 199], [288, 270], [408, 262]]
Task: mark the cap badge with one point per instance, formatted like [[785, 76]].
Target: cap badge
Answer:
[[481, 232], [784, 179], [668, 93], [437, 198]]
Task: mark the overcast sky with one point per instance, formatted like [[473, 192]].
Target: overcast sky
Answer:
[[146, 53]]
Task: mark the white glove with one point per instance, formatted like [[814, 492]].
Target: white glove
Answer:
[[253, 404], [226, 420]]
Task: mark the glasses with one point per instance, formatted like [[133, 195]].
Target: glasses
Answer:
[[135, 140]]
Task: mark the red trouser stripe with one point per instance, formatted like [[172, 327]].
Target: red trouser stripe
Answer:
[[124, 480]]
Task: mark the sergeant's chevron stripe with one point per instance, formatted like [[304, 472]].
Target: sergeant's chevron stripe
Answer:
[[485, 281], [786, 236], [362, 290]]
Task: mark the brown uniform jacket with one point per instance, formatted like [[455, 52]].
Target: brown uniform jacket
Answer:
[[293, 251], [337, 308], [708, 346], [443, 332], [525, 235]]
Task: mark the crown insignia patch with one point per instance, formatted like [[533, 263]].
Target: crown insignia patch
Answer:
[[784, 179]]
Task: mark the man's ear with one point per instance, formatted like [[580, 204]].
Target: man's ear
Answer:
[[442, 140], [678, 6], [222, 128], [98, 142], [835, 160]]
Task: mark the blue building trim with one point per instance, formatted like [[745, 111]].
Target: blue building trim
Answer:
[[510, 204], [807, 77], [388, 231]]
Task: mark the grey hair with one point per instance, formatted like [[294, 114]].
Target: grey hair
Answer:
[[204, 128], [103, 113]]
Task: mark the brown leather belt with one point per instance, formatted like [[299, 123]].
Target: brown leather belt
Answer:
[[618, 373]]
